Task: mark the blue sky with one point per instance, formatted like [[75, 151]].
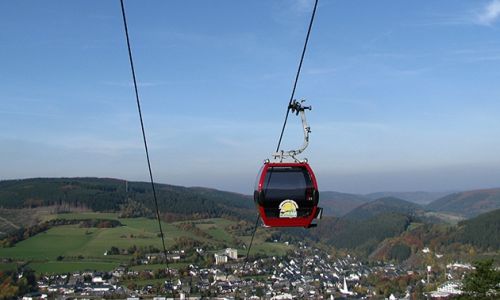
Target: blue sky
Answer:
[[405, 95]]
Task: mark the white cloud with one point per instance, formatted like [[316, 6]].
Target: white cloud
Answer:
[[490, 13]]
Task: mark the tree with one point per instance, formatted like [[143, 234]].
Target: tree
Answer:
[[259, 292], [482, 283], [113, 251], [400, 252]]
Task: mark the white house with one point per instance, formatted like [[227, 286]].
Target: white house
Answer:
[[232, 253], [447, 289], [220, 258]]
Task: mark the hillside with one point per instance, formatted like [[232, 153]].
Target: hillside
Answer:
[[113, 195], [77, 245], [468, 204], [482, 231], [386, 228], [338, 204], [469, 237], [361, 236], [12, 220], [401, 237], [419, 197], [384, 205]]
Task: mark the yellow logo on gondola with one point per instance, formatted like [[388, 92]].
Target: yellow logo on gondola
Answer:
[[288, 209]]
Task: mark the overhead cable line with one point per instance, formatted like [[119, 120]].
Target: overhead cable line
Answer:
[[297, 75], [144, 136], [251, 240]]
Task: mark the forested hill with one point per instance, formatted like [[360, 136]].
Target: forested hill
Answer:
[[384, 205], [338, 204], [107, 194], [400, 236], [468, 204], [421, 197], [361, 234], [482, 231]]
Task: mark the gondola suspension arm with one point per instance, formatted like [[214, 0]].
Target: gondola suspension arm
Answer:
[[297, 108]]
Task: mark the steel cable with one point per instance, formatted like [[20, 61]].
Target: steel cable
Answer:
[[144, 138], [297, 75]]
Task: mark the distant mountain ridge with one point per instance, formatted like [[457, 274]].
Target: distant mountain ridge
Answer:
[[109, 194], [384, 205], [419, 197], [466, 204], [469, 203], [338, 204]]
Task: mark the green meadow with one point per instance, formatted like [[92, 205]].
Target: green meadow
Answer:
[[84, 248]]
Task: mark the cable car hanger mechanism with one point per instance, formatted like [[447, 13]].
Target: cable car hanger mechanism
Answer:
[[297, 108]]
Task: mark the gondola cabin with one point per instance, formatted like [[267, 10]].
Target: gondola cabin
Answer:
[[286, 194]]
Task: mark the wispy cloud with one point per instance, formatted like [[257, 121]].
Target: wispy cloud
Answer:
[[490, 13], [483, 15]]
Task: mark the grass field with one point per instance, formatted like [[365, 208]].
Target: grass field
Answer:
[[84, 248], [67, 267], [62, 240], [216, 228]]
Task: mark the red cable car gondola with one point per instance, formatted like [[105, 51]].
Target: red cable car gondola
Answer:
[[286, 193]]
